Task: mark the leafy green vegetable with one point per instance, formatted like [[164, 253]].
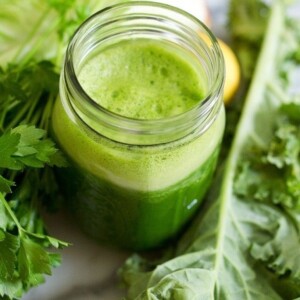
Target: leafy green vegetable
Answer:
[[33, 37], [241, 247], [43, 35], [247, 24], [28, 89], [27, 96], [22, 147], [23, 255], [280, 161]]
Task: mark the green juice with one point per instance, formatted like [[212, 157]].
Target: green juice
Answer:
[[141, 79], [137, 196]]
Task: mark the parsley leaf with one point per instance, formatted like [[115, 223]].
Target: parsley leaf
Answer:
[[33, 150], [8, 146], [9, 245], [33, 261], [27, 95], [5, 184]]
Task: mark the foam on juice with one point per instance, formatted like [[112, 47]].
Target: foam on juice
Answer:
[[141, 79]]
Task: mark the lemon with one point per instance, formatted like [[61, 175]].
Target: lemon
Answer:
[[233, 72]]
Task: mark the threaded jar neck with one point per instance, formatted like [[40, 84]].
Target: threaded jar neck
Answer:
[[152, 21]]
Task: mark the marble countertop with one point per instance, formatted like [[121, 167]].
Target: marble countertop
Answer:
[[89, 270]]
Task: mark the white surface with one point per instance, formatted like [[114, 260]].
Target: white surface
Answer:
[[88, 270]]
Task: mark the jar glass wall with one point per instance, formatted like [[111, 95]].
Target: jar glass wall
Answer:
[[140, 117]]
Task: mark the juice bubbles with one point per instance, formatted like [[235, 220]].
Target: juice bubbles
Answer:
[[141, 119]]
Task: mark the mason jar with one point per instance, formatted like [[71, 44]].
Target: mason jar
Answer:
[[140, 117]]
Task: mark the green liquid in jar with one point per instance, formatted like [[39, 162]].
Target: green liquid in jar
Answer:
[[140, 79], [137, 197]]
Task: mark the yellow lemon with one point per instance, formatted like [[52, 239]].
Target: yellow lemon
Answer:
[[233, 72]]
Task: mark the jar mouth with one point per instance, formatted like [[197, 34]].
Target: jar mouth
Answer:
[[136, 20]]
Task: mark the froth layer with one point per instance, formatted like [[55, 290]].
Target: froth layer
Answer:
[[141, 79]]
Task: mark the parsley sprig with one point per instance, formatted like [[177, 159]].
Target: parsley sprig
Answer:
[[31, 53], [26, 180]]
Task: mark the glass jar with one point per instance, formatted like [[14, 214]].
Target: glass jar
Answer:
[[135, 182]]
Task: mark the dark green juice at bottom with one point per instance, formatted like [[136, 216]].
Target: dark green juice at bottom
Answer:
[[134, 219]]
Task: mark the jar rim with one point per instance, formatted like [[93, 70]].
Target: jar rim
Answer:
[[203, 112]]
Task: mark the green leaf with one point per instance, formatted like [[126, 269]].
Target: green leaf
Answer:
[[45, 150], [282, 253], [8, 259], [9, 142], [45, 34], [33, 150], [273, 174], [11, 289], [183, 284], [33, 262], [5, 185], [225, 255], [58, 160], [25, 146], [55, 259], [247, 23], [17, 31], [292, 111], [56, 243], [29, 137]]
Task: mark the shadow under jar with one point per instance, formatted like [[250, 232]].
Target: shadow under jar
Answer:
[[140, 117]]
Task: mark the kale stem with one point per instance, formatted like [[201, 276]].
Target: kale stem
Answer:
[[262, 74]]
